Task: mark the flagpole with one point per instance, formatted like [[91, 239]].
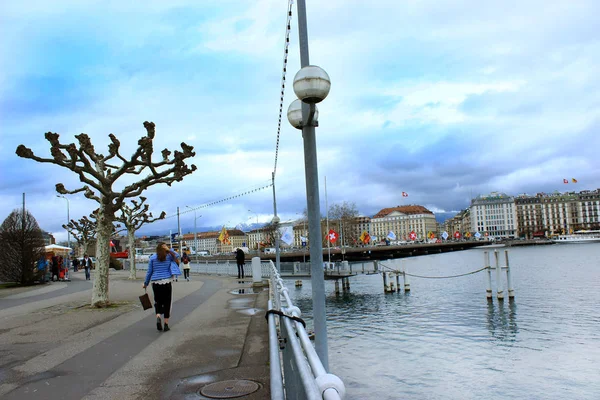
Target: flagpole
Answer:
[[328, 241]]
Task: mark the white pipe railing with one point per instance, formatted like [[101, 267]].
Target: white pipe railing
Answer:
[[315, 382]]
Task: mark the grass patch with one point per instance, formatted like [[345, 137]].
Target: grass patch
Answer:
[[9, 285]]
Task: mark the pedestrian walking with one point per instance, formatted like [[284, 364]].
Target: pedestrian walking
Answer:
[[87, 265], [240, 257], [75, 264], [159, 273], [185, 259], [54, 267]]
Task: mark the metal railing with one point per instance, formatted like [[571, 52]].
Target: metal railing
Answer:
[[292, 355]]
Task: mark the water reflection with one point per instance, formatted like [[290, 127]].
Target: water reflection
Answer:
[[502, 320]]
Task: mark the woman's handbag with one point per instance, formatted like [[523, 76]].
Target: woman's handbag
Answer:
[[145, 300], [175, 269]]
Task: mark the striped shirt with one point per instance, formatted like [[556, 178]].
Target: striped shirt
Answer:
[[157, 269]]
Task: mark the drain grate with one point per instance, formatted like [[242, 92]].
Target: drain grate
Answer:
[[229, 389]]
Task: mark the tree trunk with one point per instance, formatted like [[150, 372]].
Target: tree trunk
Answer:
[[131, 239], [104, 230]]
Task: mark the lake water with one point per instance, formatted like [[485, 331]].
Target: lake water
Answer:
[[443, 340]]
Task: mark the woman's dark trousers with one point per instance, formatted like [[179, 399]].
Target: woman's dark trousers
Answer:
[[240, 270], [162, 299]]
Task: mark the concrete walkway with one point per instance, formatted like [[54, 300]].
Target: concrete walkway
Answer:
[[54, 346]]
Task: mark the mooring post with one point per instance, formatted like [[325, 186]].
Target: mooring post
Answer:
[[363, 267], [406, 282], [486, 264], [398, 280], [337, 286], [348, 283], [385, 284], [392, 288], [511, 292], [499, 286]]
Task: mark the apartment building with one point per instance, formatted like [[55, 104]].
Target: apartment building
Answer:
[[402, 220], [494, 215]]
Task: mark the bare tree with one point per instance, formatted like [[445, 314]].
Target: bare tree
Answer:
[[269, 231], [344, 216], [22, 247], [98, 175], [133, 217], [83, 230]]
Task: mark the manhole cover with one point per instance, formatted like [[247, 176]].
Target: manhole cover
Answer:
[[229, 389]]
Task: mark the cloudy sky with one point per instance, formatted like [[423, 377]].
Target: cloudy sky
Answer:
[[443, 100]]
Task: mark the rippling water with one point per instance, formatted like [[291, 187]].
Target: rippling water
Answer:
[[443, 340]]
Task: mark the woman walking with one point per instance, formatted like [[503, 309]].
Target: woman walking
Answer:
[[185, 259], [159, 273]]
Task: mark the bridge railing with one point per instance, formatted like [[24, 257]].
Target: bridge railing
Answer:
[[293, 358]]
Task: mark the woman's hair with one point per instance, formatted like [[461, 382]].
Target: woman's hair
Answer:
[[161, 253]]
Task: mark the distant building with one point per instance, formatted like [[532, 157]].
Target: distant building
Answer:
[[402, 220], [48, 238], [494, 215]]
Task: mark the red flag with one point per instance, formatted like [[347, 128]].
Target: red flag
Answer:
[[565, 181], [404, 194], [112, 244], [412, 235], [332, 236], [457, 235]]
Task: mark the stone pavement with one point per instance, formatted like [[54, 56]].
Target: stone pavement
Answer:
[[54, 346]]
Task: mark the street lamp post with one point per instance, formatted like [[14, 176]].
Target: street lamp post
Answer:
[[195, 230], [68, 235], [311, 85], [257, 231]]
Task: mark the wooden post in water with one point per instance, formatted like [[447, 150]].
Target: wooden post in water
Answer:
[[337, 286], [348, 284], [499, 286], [391, 281], [398, 280], [511, 292], [486, 264], [406, 282], [385, 284]]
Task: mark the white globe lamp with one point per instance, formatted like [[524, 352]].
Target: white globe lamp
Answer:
[[294, 114], [312, 84]]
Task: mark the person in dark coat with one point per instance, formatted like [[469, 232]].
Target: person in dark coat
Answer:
[[240, 257], [54, 267]]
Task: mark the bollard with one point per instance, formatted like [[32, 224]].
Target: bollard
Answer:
[[385, 284], [406, 282], [486, 264], [337, 286], [511, 292], [499, 288], [256, 272]]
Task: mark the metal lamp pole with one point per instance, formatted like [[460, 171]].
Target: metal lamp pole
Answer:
[[68, 234], [311, 85]]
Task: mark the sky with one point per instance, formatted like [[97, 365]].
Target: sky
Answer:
[[443, 100]]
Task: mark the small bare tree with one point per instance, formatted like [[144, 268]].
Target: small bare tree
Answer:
[[98, 175], [83, 230], [22, 247], [343, 217], [133, 217]]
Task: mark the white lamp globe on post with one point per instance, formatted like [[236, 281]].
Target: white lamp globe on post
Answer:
[[294, 114], [312, 84]]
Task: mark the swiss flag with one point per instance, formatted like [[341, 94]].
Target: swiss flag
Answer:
[[412, 235], [565, 181], [332, 236], [457, 235], [404, 194]]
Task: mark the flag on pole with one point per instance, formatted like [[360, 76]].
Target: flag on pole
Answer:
[[574, 180], [457, 235], [412, 235], [404, 194], [224, 236], [565, 181], [332, 236], [445, 235], [391, 236], [477, 235], [365, 237], [287, 237], [303, 240]]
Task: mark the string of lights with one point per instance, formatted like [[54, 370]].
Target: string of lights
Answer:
[[223, 200], [288, 27]]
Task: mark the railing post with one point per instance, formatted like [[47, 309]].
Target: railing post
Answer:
[[499, 286], [511, 292]]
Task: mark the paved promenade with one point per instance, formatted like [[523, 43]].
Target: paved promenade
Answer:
[[54, 346]]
